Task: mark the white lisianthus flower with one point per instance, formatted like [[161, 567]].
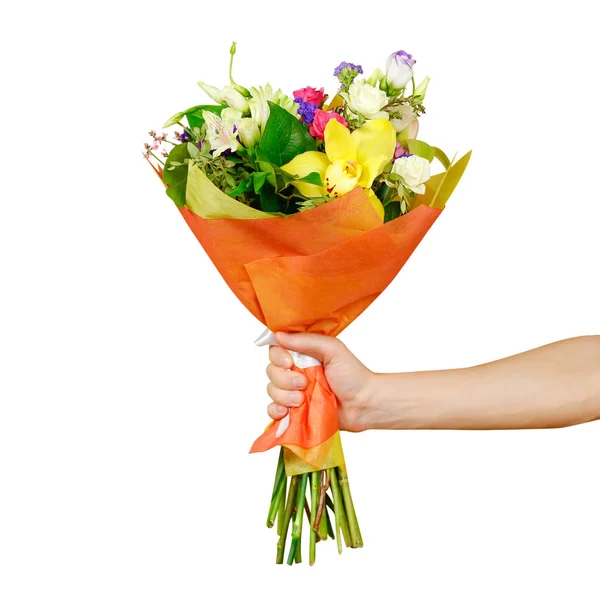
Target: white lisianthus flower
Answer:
[[399, 69], [414, 172], [367, 100], [221, 132], [259, 107], [402, 117], [249, 132], [234, 99]]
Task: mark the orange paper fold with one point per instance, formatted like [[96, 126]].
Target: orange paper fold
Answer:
[[313, 271]]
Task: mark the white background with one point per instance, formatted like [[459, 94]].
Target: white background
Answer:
[[130, 389]]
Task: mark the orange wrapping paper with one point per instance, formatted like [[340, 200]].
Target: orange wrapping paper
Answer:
[[313, 271]]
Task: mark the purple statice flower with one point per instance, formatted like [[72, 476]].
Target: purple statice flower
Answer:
[[184, 136], [346, 73], [306, 110], [349, 67]]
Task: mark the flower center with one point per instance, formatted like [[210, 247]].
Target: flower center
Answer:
[[342, 176]]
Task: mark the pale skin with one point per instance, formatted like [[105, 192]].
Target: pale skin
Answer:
[[557, 385]]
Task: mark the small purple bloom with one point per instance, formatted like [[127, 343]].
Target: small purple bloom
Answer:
[[306, 110], [184, 136], [349, 67]]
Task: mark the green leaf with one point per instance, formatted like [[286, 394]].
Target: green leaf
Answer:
[[268, 168], [314, 178], [176, 178], [421, 149], [244, 186], [284, 137], [440, 187], [269, 200], [258, 180], [441, 156], [193, 150], [392, 211]]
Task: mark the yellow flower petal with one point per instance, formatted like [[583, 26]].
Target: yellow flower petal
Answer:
[[375, 138], [370, 169], [302, 165], [339, 143], [376, 202]]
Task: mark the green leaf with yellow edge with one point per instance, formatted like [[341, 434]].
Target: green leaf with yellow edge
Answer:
[[205, 199], [440, 187], [442, 157], [421, 149]]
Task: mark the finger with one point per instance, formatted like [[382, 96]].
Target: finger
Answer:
[[321, 347], [283, 397], [285, 380], [276, 412], [280, 357]]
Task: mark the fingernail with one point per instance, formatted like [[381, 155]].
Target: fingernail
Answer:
[[296, 398], [299, 382]]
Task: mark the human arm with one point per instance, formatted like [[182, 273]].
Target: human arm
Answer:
[[552, 386]]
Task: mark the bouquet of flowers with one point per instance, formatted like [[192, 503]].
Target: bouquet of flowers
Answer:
[[308, 206]]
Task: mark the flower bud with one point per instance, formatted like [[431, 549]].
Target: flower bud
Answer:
[[212, 91], [399, 69], [249, 132]]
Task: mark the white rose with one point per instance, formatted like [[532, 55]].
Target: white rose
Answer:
[[234, 99], [248, 132], [414, 171], [399, 69], [402, 117], [367, 100]]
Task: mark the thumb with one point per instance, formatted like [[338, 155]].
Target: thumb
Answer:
[[321, 347]]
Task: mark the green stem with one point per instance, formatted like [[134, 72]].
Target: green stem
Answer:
[[278, 472], [276, 502], [281, 511], [278, 490], [156, 157], [289, 509], [355, 535], [338, 511], [329, 526], [314, 502], [297, 526]]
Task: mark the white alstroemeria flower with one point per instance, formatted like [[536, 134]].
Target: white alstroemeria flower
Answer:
[[259, 107], [367, 100], [249, 132], [414, 171], [402, 117], [221, 132]]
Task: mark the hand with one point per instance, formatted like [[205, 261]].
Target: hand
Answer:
[[348, 378]]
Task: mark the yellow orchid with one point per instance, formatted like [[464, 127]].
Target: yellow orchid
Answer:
[[350, 160]]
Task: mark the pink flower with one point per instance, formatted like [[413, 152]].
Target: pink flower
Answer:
[[400, 151], [312, 95], [322, 117]]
